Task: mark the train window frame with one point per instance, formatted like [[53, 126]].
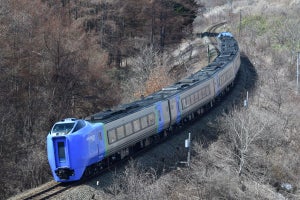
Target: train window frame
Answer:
[[200, 94], [80, 124], [110, 133], [128, 125], [207, 91], [144, 122], [120, 131], [192, 99], [136, 125], [188, 101], [183, 103], [151, 119], [196, 96]]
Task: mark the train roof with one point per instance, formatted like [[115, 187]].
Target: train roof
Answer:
[[228, 50], [225, 34]]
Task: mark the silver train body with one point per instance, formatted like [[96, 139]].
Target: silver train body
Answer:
[[137, 122]]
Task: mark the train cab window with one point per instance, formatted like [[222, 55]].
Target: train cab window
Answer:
[[136, 125], [112, 136], [128, 129], [120, 132], [151, 119], [61, 152], [144, 122], [63, 128], [80, 124]]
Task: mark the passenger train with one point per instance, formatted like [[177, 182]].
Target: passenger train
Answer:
[[78, 147]]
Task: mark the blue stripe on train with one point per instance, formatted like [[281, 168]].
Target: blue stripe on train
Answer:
[[102, 148], [160, 117]]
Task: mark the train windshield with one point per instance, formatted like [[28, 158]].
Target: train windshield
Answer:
[[64, 128]]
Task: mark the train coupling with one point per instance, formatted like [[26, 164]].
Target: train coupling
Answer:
[[64, 173]]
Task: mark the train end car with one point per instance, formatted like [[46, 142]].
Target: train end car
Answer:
[[72, 145]]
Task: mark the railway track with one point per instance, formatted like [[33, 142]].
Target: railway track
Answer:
[[48, 191], [209, 40]]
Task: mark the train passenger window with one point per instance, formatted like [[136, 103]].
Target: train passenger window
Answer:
[[120, 132], [208, 91], [197, 96], [188, 101], [144, 122], [204, 92], [151, 119], [192, 99], [136, 125], [128, 128], [183, 102], [111, 136]]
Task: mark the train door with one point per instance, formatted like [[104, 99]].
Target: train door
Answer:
[[101, 143], [159, 117], [61, 152], [174, 110]]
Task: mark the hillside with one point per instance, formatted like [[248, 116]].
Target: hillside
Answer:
[[69, 58], [256, 153]]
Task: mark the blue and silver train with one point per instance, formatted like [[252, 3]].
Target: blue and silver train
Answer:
[[78, 147]]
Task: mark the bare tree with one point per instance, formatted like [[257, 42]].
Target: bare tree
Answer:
[[243, 129]]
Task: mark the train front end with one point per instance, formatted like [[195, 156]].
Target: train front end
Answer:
[[72, 145]]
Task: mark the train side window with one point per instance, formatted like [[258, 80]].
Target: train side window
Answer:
[[136, 125], [192, 99], [183, 102], [144, 122], [120, 132], [203, 92], [208, 90], [188, 101], [197, 96], [80, 124], [128, 128], [200, 94], [151, 119], [112, 136]]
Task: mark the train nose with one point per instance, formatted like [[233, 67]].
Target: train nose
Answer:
[[64, 173]]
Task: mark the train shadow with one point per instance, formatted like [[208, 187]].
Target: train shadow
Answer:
[[207, 34]]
